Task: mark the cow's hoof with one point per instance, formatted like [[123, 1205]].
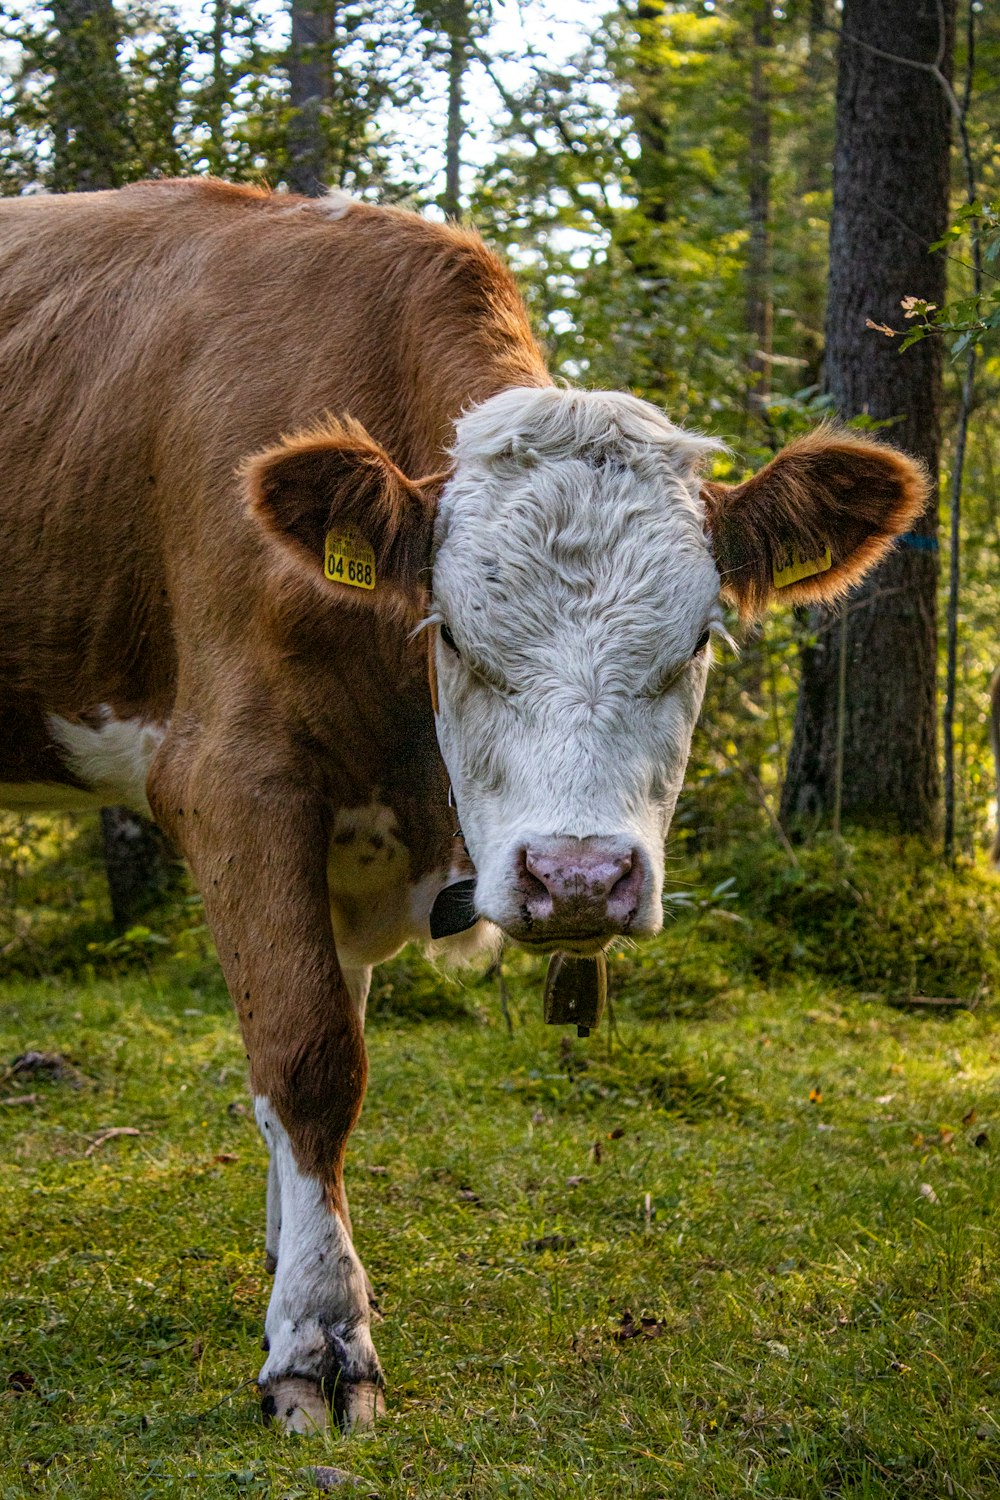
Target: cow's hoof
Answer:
[[270, 1263], [298, 1405], [295, 1405], [357, 1403]]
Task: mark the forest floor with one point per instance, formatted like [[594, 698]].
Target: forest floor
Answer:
[[747, 1247]]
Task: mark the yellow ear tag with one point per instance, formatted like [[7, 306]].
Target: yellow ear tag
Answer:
[[797, 568], [349, 558]]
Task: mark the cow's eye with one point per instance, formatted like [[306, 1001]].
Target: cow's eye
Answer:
[[703, 640], [448, 639]]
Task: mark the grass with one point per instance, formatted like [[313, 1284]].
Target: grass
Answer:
[[748, 1248]]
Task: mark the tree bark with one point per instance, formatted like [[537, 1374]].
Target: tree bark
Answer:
[[650, 169], [760, 301], [310, 76], [458, 33], [890, 203], [140, 862], [88, 112]]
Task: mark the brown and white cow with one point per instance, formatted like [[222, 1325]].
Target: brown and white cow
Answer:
[[219, 546]]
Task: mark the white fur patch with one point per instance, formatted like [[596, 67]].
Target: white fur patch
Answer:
[[572, 569], [113, 760], [320, 1297], [335, 203]]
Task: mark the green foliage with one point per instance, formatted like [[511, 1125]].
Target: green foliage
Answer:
[[875, 914]]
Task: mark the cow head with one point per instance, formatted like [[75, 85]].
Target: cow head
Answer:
[[579, 568]]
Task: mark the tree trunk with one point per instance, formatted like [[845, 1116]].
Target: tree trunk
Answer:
[[140, 862], [890, 203], [816, 151], [650, 169], [88, 113], [458, 31], [760, 302], [310, 77]]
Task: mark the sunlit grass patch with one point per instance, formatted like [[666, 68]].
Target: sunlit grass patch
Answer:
[[751, 1253]]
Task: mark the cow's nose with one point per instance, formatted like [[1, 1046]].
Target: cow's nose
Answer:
[[586, 886]]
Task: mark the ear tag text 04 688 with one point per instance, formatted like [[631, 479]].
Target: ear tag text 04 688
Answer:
[[349, 558], [793, 569]]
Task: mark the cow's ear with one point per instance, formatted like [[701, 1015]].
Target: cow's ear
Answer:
[[812, 523], [335, 498]]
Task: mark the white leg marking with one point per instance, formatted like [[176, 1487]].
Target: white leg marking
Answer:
[[318, 1318]]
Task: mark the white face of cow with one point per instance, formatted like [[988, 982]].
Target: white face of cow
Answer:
[[576, 593]]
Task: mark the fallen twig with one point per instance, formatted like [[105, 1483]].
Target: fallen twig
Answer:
[[20, 1099], [109, 1135]]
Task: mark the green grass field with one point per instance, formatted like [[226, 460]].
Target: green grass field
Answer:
[[747, 1247]]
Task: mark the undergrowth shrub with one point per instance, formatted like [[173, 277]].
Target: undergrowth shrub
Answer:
[[874, 912]]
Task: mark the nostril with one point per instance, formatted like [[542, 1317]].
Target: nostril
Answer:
[[533, 886], [625, 894], [622, 872]]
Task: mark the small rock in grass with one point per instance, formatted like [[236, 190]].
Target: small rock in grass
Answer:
[[52, 1064], [551, 1242], [326, 1478]]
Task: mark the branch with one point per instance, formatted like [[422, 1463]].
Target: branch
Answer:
[[933, 68], [512, 105]]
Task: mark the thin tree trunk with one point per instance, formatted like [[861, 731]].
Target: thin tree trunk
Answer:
[[89, 121], [650, 169], [961, 436], [458, 30], [816, 155], [215, 100], [760, 303], [890, 203], [310, 77]]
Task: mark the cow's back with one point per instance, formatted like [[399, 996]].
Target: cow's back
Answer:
[[150, 340]]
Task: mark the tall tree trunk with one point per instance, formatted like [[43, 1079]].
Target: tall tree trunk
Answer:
[[816, 155], [310, 76], [760, 302], [458, 41], [214, 107], [650, 169], [890, 203], [88, 113]]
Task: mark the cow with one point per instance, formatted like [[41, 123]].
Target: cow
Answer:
[[306, 554]]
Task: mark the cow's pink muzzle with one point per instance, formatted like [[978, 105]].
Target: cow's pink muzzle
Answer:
[[577, 890]]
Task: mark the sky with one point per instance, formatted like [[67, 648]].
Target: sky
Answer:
[[552, 29]]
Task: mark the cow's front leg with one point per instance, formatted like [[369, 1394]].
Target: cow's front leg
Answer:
[[259, 856], [358, 983], [317, 1328]]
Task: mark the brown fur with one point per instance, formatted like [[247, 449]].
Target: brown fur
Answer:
[[151, 341], [827, 489]]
